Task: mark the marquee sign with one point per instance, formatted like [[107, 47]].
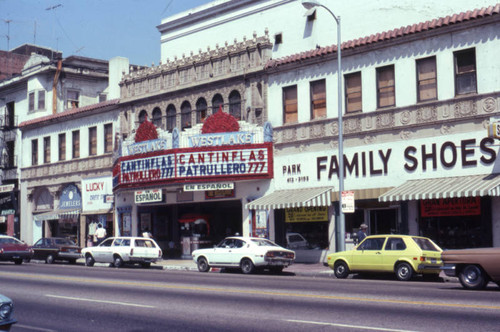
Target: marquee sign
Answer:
[[224, 163]]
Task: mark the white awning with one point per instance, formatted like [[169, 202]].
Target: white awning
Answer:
[[57, 214], [449, 187], [283, 199]]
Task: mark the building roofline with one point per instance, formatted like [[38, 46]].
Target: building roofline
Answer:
[[69, 114], [441, 22]]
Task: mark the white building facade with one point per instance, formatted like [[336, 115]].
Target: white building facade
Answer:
[[418, 101]]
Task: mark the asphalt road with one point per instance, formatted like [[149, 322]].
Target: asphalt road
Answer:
[[78, 298]]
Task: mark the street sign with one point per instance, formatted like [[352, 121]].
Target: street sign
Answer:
[[348, 201]]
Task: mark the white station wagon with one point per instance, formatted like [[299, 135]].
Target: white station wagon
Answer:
[[123, 250], [246, 253]]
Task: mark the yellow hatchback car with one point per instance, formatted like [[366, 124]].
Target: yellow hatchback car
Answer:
[[405, 255]]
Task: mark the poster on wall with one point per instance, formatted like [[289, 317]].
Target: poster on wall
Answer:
[[307, 214], [145, 221]]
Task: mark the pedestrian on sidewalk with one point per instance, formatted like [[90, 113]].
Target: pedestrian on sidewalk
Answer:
[[362, 232]]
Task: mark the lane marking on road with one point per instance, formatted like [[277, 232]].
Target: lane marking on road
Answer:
[[99, 301], [249, 292], [357, 327], [34, 328]]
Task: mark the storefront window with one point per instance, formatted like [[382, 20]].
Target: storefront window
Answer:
[[307, 228]]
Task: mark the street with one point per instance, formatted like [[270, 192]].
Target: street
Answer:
[[77, 298]]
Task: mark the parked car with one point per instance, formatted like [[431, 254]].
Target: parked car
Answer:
[[123, 250], [473, 267], [296, 241], [246, 253], [13, 250], [6, 309], [51, 249], [404, 255]]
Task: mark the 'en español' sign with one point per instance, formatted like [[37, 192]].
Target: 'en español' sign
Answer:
[[194, 165]]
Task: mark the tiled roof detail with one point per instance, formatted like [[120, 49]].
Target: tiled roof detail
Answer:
[[70, 113], [392, 34]]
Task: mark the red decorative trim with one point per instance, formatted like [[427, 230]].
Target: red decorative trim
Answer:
[[146, 132], [220, 122]]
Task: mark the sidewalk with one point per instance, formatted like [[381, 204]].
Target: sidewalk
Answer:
[[315, 269]]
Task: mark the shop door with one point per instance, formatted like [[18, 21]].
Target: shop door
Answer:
[[384, 221]]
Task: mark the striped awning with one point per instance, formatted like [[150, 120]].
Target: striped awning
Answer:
[[449, 187], [283, 199], [57, 214]]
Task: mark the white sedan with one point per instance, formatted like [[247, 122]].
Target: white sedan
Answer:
[[123, 250], [246, 253]]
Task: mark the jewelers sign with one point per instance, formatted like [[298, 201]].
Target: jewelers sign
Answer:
[[195, 165]]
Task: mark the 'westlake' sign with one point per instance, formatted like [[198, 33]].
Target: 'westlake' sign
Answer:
[[195, 165], [220, 139]]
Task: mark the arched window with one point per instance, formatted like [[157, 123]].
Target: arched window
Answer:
[[157, 117], [216, 102], [143, 115], [235, 104], [185, 115], [171, 117], [201, 110]]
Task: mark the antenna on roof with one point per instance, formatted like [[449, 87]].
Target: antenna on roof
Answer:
[[8, 33]]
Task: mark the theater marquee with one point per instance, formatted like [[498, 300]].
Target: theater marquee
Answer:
[[223, 163]]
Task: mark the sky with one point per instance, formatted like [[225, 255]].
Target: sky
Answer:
[[100, 29]]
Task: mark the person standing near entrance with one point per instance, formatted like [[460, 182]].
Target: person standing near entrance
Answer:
[[100, 234], [362, 232]]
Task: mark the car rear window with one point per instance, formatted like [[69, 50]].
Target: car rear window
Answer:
[[64, 241], [425, 244], [264, 242], [144, 243]]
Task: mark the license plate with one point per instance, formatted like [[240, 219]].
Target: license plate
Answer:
[[433, 261]]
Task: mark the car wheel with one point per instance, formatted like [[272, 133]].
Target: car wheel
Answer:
[[203, 265], [18, 261], [276, 269], [341, 270], [404, 271], [49, 259], [473, 277], [89, 260], [247, 266], [146, 265], [118, 261]]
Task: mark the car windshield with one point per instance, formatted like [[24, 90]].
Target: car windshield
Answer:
[[64, 241], [425, 244], [264, 242]]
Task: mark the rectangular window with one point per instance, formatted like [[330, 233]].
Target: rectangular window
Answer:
[[108, 137], [426, 79], [318, 99], [465, 72], [34, 152], [386, 90], [92, 141], [31, 101], [46, 150], [290, 110], [41, 99], [353, 92], [76, 144], [62, 147], [102, 97], [72, 100]]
